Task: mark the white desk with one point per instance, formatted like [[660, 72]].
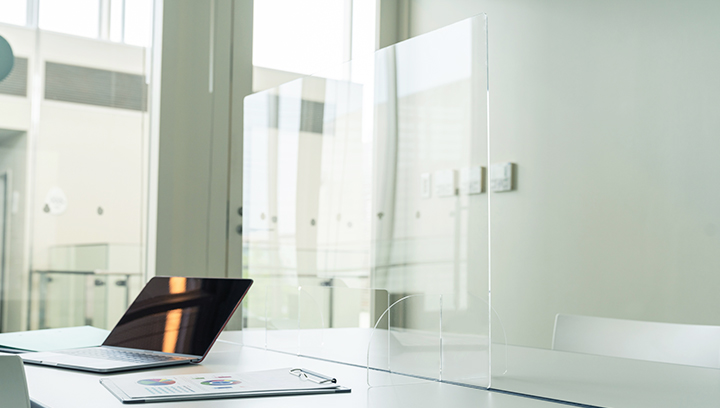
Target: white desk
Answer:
[[579, 378], [606, 381], [59, 388]]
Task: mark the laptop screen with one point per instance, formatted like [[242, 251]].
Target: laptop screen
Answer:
[[178, 314]]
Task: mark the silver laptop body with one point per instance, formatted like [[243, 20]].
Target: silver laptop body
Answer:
[[174, 320]]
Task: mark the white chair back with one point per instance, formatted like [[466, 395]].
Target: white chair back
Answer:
[[13, 387], [687, 344]]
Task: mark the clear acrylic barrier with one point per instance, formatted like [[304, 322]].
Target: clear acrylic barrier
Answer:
[[336, 322], [406, 343], [282, 319], [467, 340], [374, 172], [435, 338], [254, 316], [417, 338], [271, 324], [325, 322]]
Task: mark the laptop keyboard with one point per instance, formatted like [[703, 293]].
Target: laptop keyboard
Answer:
[[121, 355]]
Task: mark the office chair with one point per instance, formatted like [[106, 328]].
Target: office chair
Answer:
[[13, 386], [687, 344]]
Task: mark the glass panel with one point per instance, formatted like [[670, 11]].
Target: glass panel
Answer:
[[336, 322], [607, 242], [292, 39], [318, 28], [77, 17], [13, 12], [116, 20], [282, 319], [429, 204], [406, 343], [68, 298], [371, 176], [466, 341], [326, 322], [73, 154], [138, 22], [441, 344]]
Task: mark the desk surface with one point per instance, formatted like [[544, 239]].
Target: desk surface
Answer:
[[59, 388], [584, 379], [605, 381]]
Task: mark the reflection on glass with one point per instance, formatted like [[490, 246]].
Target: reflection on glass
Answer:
[[410, 353], [73, 136], [616, 211], [607, 252], [352, 178], [178, 315], [174, 317]]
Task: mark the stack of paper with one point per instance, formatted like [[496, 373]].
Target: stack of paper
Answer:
[[155, 388]]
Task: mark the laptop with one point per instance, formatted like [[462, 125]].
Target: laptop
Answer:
[[174, 320]]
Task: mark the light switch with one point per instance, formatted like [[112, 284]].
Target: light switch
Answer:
[[471, 180], [501, 175], [425, 186], [445, 183]]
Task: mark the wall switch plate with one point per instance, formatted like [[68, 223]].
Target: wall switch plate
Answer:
[[501, 175], [445, 183], [425, 185], [471, 180]]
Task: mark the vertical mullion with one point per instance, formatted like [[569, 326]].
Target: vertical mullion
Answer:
[[98, 34], [32, 17], [122, 22], [104, 19]]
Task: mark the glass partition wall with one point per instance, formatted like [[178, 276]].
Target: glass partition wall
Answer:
[[590, 215], [363, 191], [608, 243], [73, 166]]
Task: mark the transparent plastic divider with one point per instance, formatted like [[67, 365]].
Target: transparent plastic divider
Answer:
[[406, 343], [336, 322], [466, 340], [498, 347], [377, 171], [324, 322], [313, 318], [469, 346], [417, 338], [436, 338], [253, 320], [282, 318]]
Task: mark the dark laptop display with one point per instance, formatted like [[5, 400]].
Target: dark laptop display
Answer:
[[174, 320], [178, 315]]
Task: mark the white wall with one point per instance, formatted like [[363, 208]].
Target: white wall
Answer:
[[609, 109]]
